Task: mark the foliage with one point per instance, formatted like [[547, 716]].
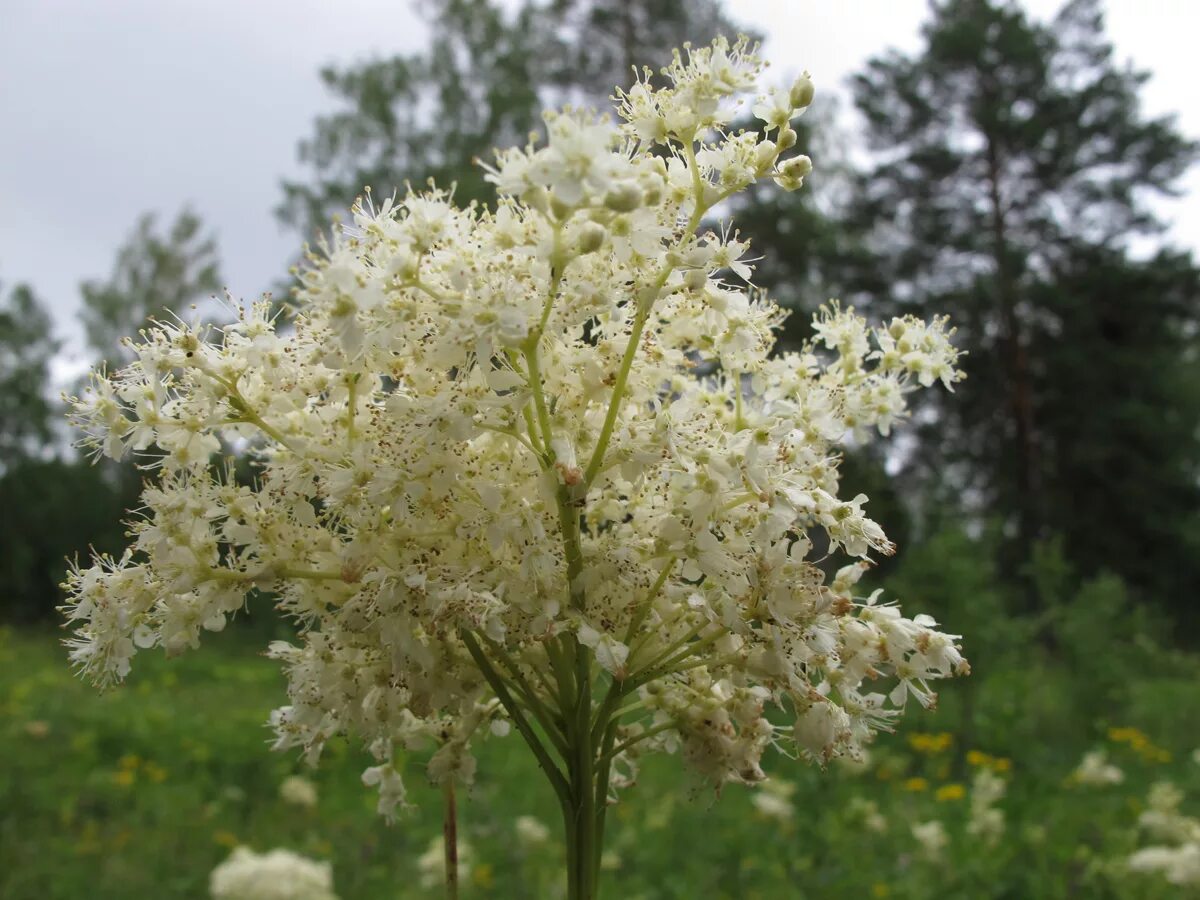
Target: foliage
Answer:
[[27, 345], [146, 787], [68, 509], [481, 85], [54, 509], [1013, 170]]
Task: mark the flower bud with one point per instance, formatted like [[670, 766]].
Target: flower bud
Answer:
[[591, 237], [765, 155], [786, 139], [790, 175], [802, 92], [820, 727], [624, 197], [695, 279], [559, 207]]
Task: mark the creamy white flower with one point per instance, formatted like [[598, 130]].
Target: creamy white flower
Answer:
[[276, 875], [986, 822], [298, 791], [773, 799], [482, 456], [931, 837], [1179, 861], [1095, 770], [432, 863], [531, 832], [1178, 865]]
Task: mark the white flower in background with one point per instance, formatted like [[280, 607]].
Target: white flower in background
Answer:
[[431, 865], [298, 791], [483, 458], [531, 832], [1179, 861], [985, 822], [1178, 865], [1095, 770], [931, 837], [773, 799], [276, 875], [867, 811], [1163, 818]]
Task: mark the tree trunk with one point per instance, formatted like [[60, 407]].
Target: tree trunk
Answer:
[[1016, 362]]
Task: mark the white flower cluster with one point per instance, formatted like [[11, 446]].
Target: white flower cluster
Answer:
[[431, 865], [1094, 770], [276, 875], [487, 457], [986, 820], [297, 790], [1178, 860], [931, 838]]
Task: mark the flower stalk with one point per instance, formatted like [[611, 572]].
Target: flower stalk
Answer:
[[495, 495]]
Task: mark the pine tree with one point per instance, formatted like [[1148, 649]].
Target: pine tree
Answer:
[[1011, 156], [27, 345]]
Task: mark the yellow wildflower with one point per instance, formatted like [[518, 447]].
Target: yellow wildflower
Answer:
[[950, 792], [484, 875], [931, 743], [225, 838], [916, 785]]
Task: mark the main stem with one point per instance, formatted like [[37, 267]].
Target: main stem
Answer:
[[591, 738], [590, 730]]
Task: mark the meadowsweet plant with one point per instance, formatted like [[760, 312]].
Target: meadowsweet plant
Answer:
[[276, 875], [537, 467]]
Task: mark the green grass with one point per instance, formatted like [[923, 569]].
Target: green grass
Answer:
[[141, 791]]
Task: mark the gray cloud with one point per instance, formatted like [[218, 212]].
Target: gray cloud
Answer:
[[123, 106]]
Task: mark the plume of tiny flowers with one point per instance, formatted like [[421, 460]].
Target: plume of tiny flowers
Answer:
[[298, 791], [1177, 857], [276, 875], [485, 462]]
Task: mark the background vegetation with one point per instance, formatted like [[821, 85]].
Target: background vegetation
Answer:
[[1049, 510]]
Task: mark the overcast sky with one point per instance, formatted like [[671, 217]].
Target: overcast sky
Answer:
[[117, 107]]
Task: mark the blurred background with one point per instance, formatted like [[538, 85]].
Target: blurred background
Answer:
[[1026, 168]]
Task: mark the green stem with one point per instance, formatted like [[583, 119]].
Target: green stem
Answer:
[[539, 397], [581, 812], [550, 723], [657, 670], [625, 745], [603, 774], [643, 609], [238, 403], [557, 781], [526, 412], [639, 323], [351, 407], [738, 421]]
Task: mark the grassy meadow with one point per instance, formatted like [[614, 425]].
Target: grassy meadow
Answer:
[[142, 790]]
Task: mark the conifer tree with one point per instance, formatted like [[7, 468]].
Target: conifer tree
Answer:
[[1013, 167]]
